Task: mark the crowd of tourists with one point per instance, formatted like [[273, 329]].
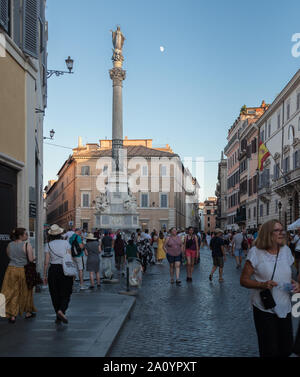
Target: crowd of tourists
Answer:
[[269, 255]]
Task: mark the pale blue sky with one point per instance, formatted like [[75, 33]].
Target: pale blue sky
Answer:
[[219, 55]]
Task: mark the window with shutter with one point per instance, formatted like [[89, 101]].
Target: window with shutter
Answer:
[[164, 200], [248, 151], [85, 200], [85, 170], [144, 200], [4, 14], [267, 172], [30, 27], [17, 12], [288, 109]]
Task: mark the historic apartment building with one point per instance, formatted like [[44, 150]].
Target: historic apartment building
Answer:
[[279, 182], [23, 94], [240, 150], [221, 192], [162, 199], [210, 210]]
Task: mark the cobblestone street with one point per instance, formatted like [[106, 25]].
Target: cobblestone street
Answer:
[[202, 318]]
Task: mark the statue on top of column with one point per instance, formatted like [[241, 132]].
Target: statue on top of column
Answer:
[[118, 42]]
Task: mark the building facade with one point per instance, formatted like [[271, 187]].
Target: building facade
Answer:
[[156, 177], [23, 94], [210, 210], [279, 181], [221, 192], [240, 150]]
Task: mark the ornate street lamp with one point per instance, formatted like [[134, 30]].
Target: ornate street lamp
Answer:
[[279, 207], [69, 64], [52, 133]]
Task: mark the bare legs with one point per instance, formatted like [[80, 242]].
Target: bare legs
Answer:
[[92, 278], [190, 266], [177, 270]]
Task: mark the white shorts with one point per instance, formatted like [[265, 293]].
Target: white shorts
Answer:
[[78, 262]]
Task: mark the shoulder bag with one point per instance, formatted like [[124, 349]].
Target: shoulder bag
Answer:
[[266, 295], [33, 277], [68, 264]]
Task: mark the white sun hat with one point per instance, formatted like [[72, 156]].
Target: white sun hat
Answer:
[[90, 236], [55, 230]]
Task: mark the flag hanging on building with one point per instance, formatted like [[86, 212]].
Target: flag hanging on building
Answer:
[[263, 154]]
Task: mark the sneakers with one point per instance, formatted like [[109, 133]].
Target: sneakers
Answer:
[[83, 288]]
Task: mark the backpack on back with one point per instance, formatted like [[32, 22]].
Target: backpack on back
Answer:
[[75, 247]]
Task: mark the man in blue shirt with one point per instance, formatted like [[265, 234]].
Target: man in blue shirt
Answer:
[[78, 259]]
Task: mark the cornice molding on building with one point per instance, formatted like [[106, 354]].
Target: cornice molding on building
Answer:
[[286, 91], [248, 132], [11, 162]]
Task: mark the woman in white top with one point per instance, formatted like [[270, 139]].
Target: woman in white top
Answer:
[[273, 326], [60, 286]]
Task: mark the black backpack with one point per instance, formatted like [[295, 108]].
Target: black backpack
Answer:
[[75, 248]]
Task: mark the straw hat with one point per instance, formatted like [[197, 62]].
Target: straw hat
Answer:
[[55, 230], [218, 231], [90, 236]]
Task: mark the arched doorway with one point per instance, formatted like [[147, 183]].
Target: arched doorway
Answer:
[[296, 205]]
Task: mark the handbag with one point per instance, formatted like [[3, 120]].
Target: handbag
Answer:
[[33, 278], [69, 266], [266, 295]]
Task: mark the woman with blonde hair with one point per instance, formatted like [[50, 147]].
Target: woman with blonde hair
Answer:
[[18, 297], [270, 262]]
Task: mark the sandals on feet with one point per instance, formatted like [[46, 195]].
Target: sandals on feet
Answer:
[[172, 281], [62, 317]]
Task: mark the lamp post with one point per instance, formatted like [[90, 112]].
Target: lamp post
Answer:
[[52, 133], [279, 207], [69, 64]]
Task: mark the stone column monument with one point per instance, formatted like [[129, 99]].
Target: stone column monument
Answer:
[[117, 207]]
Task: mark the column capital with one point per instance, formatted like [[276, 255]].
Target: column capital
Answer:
[[117, 75]]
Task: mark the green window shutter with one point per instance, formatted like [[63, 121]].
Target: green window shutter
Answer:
[[30, 27], [4, 14]]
